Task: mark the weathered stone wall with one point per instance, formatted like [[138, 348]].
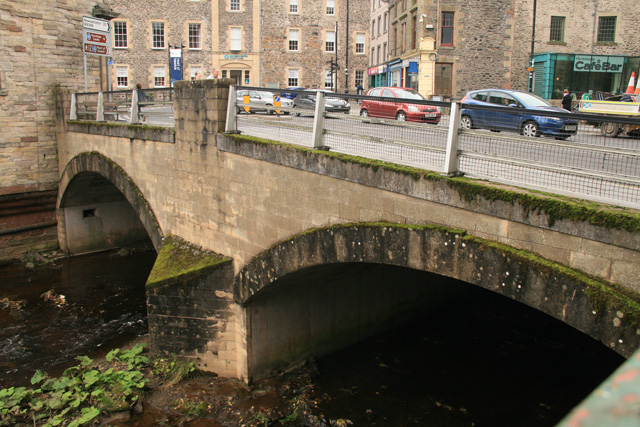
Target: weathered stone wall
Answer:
[[141, 57], [311, 59], [40, 43]]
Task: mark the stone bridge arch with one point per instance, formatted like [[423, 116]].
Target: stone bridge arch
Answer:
[[99, 207], [596, 308]]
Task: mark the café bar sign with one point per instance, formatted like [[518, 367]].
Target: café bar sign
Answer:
[[598, 63]]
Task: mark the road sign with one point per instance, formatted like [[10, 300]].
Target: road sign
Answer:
[[276, 102], [96, 24], [96, 36], [94, 49]]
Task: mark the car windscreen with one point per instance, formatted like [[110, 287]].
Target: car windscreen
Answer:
[[531, 100], [409, 94]]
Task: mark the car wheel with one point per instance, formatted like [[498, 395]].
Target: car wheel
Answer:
[[610, 130], [401, 116], [531, 129], [466, 122], [364, 113]]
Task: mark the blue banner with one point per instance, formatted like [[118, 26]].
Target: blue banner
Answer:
[[175, 65]]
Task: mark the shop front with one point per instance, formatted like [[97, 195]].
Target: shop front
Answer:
[[411, 72], [377, 76], [554, 72], [395, 73]]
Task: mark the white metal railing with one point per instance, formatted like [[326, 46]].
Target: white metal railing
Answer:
[[148, 106]]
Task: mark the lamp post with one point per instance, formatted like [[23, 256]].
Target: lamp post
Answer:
[[533, 40], [346, 62]]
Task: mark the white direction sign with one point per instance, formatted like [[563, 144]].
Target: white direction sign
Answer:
[[96, 24]]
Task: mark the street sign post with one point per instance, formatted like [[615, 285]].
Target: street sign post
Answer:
[[96, 40]]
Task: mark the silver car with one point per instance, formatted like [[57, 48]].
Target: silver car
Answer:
[[258, 99]]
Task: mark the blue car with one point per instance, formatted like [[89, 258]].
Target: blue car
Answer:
[[292, 95], [513, 118]]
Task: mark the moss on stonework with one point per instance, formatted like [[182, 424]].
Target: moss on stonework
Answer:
[[118, 125], [603, 295], [555, 207], [178, 257]]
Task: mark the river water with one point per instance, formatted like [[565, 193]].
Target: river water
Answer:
[[483, 361]]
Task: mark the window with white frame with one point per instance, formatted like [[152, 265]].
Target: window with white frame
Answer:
[[157, 35], [385, 23], [330, 41], [158, 76], [328, 81], [359, 77], [194, 70], [122, 76], [294, 77], [379, 25], [360, 38], [294, 40], [234, 5], [293, 6], [120, 35], [236, 38], [195, 36], [331, 7], [373, 29]]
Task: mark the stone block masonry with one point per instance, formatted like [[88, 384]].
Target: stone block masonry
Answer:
[[41, 50]]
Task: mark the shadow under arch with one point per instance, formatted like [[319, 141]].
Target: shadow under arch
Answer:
[[95, 176], [594, 307]]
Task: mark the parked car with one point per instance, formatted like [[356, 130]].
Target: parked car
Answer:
[[401, 110], [259, 99], [512, 118], [292, 95], [332, 104]]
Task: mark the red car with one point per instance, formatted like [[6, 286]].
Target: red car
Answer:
[[402, 109]]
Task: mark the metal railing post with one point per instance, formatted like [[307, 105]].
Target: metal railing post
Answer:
[[318, 123], [133, 119], [232, 112], [100, 108], [451, 164], [73, 113]]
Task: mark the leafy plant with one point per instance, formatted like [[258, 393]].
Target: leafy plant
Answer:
[[80, 395]]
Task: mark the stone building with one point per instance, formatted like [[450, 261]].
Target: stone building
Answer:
[[379, 30], [41, 43], [448, 47], [143, 34], [275, 43], [299, 43]]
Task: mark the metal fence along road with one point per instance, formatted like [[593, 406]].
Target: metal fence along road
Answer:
[[550, 150]]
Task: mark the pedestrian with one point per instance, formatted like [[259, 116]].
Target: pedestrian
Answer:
[[215, 74], [198, 76], [141, 98], [359, 89], [566, 100]]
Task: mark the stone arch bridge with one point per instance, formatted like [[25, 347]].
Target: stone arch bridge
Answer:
[[271, 253]]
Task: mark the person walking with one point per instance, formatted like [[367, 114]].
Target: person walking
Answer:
[[566, 100], [359, 89], [142, 97]]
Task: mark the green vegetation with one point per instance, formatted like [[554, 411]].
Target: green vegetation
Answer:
[[85, 392], [178, 257], [80, 395]]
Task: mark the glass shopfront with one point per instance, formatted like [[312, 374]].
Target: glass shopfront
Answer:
[[582, 74]]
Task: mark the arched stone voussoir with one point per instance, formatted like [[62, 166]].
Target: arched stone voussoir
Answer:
[[94, 162], [600, 309]]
